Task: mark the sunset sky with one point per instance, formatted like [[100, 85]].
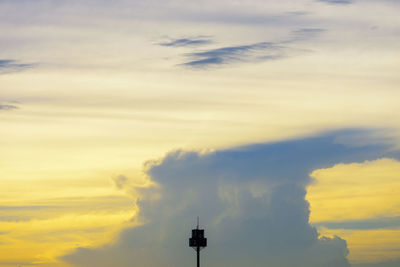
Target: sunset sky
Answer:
[[275, 121]]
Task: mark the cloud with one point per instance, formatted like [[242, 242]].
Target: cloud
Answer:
[[37, 207], [224, 55], [367, 224], [14, 219], [120, 181], [16, 263], [337, 2], [254, 52], [305, 34], [7, 66], [393, 263], [251, 200], [7, 107], [186, 42]]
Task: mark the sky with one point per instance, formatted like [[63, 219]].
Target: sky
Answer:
[[274, 121]]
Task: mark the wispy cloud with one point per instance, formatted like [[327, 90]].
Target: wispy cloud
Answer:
[[228, 54], [305, 34], [186, 42], [254, 52], [33, 207], [337, 2], [391, 263], [9, 65], [16, 263], [7, 107], [367, 224]]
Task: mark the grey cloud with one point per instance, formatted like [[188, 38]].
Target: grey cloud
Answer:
[[305, 34], [7, 107], [226, 12], [392, 263], [251, 200], [241, 53], [120, 181], [36, 207], [337, 2], [14, 219], [16, 263], [7, 66], [253, 18], [186, 42], [255, 52], [367, 224]]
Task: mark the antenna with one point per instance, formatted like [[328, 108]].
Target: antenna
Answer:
[[198, 241]]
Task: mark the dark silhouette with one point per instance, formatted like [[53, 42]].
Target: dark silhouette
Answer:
[[198, 241]]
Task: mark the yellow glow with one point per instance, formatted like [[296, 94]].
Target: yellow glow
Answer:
[[355, 191], [42, 241], [359, 191], [47, 219]]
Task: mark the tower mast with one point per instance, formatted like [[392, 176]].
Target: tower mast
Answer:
[[198, 241]]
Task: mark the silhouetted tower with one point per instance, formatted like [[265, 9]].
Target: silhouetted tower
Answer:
[[198, 241]]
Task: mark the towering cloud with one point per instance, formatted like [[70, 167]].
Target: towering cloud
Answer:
[[250, 199]]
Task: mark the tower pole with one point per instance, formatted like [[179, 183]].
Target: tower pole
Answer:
[[198, 246], [198, 256]]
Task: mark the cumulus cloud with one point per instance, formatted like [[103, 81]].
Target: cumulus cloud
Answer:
[[251, 200]]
